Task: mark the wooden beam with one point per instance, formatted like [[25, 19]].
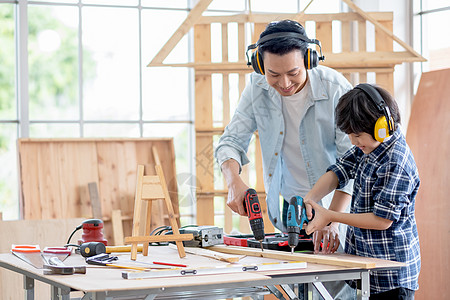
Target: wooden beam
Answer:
[[334, 60], [159, 238], [299, 16], [190, 20], [267, 18], [382, 28], [333, 259]]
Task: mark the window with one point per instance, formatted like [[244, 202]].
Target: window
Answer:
[[431, 18]]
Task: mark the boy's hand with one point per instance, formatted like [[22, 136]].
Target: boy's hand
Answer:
[[329, 235], [321, 217]]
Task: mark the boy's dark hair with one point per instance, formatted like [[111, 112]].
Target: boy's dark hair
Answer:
[[283, 45], [356, 112]]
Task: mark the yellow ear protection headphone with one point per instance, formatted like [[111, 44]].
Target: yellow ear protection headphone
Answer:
[[311, 57], [383, 128]]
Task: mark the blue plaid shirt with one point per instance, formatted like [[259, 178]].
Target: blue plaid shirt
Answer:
[[386, 184]]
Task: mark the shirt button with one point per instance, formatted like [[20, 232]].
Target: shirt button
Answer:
[[307, 164], [276, 153], [275, 220], [270, 175], [303, 142], [281, 132]]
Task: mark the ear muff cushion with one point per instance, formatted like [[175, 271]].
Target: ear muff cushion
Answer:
[[311, 59], [381, 130], [257, 63]]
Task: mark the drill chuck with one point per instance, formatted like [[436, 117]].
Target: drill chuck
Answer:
[[257, 227], [293, 233]]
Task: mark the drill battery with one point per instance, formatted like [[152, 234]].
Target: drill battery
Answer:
[[204, 236]]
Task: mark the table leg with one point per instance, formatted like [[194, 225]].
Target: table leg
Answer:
[[363, 291], [28, 285], [60, 293]]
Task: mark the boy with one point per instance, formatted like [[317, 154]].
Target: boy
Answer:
[[381, 221]]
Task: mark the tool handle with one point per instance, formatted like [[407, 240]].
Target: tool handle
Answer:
[[127, 248], [252, 206]]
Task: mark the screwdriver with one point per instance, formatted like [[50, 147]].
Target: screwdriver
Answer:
[[253, 209]]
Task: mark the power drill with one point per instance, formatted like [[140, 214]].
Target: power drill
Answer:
[[253, 210], [296, 217]]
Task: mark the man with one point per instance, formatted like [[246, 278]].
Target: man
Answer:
[[290, 101]]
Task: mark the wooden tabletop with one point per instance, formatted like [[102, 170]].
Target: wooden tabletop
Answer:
[[100, 278]]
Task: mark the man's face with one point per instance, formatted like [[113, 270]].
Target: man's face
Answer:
[[363, 141], [285, 73]]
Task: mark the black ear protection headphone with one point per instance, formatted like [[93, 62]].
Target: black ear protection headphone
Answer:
[[311, 57], [383, 128]]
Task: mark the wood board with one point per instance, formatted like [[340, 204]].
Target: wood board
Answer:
[[335, 259], [46, 233], [428, 136], [55, 174]]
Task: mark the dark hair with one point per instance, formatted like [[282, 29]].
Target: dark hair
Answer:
[[283, 45], [356, 112]]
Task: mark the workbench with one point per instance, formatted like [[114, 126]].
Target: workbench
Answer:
[[107, 283]]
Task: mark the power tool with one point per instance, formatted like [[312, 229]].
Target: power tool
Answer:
[[296, 217], [92, 232], [253, 210], [204, 236]]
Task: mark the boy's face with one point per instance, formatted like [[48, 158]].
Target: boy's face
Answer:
[[285, 73], [364, 141]]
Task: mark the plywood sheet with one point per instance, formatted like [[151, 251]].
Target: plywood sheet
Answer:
[[55, 174], [46, 233], [428, 136]]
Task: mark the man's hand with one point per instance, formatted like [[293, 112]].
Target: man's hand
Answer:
[[329, 235], [236, 194], [236, 187]]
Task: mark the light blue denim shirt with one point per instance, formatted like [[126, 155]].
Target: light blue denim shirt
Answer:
[[321, 142]]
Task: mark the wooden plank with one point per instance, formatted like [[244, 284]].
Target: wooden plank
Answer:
[[49, 177], [205, 180], [384, 43], [46, 233], [333, 259], [431, 149], [362, 45], [241, 42], [324, 34], [267, 18], [152, 191], [204, 119], [116, 220], [95, 200], [159, 238], [211, 254], [381, 27], [190, 20], [300, 15], [109, 162], [137, 210]]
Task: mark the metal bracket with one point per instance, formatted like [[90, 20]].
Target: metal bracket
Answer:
[[289, 292], [276, 292]]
